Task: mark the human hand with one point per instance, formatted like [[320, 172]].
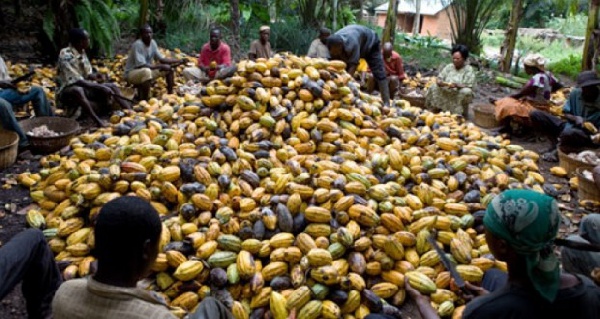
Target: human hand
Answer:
[[292, 314], [475, 291], [414, 293]]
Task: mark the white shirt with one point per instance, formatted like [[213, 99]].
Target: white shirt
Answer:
[[3, 71]]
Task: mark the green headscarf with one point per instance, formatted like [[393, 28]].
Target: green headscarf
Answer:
[[528, 222]]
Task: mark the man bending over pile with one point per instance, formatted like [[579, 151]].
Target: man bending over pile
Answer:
[[354, 42]]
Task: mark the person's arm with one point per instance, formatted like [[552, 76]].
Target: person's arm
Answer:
[[527, 90], [312, 50], [400, 68], [252, 54], [425, 308], [204, 60], [226, 57]]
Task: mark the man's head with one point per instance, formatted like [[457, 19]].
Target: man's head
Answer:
[[215, 38], [265, 34], [127, 232], [335, 44], [388, 48], [146, 34], [79, 39], [588, 81], [324, 33]]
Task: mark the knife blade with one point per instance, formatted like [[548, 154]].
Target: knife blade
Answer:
[[460, 283]]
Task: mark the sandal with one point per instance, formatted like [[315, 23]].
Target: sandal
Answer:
[[551, 156]]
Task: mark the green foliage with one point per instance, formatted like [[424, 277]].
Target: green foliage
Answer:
[[572, 25], [424, 52], [95, 16], [291, 36], [569, 66], [469, 18]]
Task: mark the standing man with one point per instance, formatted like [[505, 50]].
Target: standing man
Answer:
[[318, 48], [214, 61], [141, 70], [261, 48], [354, 42], [79, 85], [9, 96], [582, 106]]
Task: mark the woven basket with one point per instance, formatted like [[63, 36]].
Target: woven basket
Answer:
[[485, 115], [570, 164], [587, 189], [9, 145], [418, 101], [65, 127]]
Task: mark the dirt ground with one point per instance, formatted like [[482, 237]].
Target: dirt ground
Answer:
[[19, 44]]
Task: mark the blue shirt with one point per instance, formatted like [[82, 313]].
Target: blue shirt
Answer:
[[589, 111]]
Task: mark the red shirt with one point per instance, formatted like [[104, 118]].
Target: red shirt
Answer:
[[394, 66], [222, 55]]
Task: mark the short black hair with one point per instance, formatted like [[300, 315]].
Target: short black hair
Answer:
[[334, 40], [324, 31], [144, 27], [123, 226], [462, 49], [76, 35]]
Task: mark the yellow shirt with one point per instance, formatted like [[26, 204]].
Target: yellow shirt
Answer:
[[362, 66]]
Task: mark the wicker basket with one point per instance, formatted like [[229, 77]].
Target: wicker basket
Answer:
[[65, 127], [570, 164], [485, 115], [418, 101], [9, 145], [587, 189]]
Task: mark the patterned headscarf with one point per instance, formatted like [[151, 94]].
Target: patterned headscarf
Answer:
[[535, 60], [528, 221]]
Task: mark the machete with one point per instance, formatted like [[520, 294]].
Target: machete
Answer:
[[448, 264]]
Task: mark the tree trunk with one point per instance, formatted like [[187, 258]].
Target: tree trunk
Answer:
[[389, 30], [417, 23], [144, 8], [359, 16], [510, 39], [589, 46], [334, 5], [235, 28]]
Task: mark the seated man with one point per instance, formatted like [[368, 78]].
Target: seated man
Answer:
[[354, 42], [9, 97], [214, 61], [582, 106], [140, 69], [318, 48], [579, 261], [394, 70], [261, 48], [127, 236], [27, 258], [79, 85]]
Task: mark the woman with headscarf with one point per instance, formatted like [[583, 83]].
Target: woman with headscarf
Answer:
[[514, 110], [454, 89], [520, 227]]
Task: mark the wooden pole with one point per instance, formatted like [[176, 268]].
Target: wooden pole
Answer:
[[389, 31], [510, 39], [588, 48]]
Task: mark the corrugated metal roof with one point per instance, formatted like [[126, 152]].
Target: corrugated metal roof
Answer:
[[428, 7]]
